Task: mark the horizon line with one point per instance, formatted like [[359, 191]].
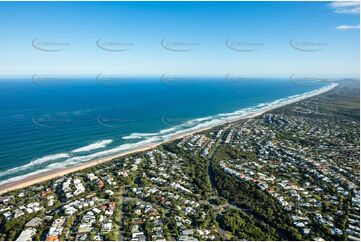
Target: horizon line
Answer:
[[175, 75]]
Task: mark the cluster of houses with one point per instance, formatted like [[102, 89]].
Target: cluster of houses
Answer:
[[70, 191], [300, 177], [14, 212], [145, 213], [174, 194], [30, 229], [82, 213], [192, 143]]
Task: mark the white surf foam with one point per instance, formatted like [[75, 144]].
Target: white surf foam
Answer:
[[49, 158], [118, 149], [139, 135], [94, 146], [145, 135], [22, 176], [36, 162]]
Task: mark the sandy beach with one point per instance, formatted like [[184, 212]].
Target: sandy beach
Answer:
[[47, 175]]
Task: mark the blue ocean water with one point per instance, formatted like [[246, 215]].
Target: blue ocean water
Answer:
[[47, 124]]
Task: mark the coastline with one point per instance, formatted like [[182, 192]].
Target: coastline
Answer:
[[51, 174]]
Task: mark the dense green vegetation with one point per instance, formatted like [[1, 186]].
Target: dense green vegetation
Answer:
[[194, 167], [227, 152], [243, 226], [258, 204]]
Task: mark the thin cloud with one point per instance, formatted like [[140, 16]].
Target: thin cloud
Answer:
[[345, 7], [346, 27]]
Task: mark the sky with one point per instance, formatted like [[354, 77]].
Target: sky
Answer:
[[261, 39]]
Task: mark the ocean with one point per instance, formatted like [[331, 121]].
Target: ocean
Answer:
[[48, 123]]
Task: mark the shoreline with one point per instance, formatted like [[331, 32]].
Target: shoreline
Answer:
[[51, 174]]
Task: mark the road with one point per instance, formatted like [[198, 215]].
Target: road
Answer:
[[121, 227]]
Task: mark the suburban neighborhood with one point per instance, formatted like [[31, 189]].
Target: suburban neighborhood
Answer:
[[289, 174]]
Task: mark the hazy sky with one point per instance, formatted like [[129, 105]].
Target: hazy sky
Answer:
[[270, 39]]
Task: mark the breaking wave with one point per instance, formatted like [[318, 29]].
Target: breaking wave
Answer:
[[36, 162], [94, 146]]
